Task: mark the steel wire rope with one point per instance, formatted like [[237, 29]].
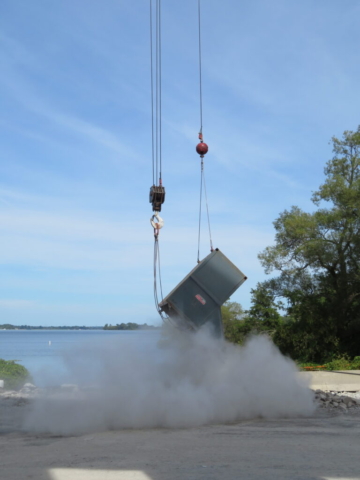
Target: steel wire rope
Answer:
[[203, 184], [156, 298], [157, 87], [160, 106], [157, 272], [202, 175], [207, 210], [199, 229], [156, 71], [200, 66], [152, 94]]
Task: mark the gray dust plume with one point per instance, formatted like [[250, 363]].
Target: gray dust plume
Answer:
[[181, 380]]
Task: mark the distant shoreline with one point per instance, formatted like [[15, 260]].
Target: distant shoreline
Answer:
[[76, 327]]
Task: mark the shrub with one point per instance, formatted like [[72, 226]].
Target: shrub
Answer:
[[356, 363], [13, 374], [342, 363]]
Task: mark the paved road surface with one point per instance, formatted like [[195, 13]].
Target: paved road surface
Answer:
[[326, 446]]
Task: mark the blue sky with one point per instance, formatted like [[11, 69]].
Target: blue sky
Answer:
[[279, 79]]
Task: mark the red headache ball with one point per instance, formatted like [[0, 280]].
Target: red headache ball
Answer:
[[202, 148]]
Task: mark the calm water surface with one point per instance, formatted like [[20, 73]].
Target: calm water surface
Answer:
[[43, 351]]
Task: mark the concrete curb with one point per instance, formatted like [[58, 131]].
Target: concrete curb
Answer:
[[337, 381]]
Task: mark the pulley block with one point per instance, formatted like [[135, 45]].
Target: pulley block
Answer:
[[157, 197]]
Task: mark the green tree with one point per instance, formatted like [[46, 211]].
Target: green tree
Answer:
[[318, 257], [264, 310], [232, 316], [231, 311], [263, 316]]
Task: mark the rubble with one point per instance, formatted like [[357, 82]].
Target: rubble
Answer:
[[340, 401]]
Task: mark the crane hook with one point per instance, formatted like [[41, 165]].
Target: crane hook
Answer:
[[157, 223]]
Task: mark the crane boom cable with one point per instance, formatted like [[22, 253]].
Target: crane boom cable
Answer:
[[157, 86], [160, 106], [203, 147], [200, 68], [152, 94], [156, 126]]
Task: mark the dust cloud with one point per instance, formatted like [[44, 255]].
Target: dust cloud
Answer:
[[181, 380]]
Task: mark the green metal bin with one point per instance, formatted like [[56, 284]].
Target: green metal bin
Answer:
[[197, 299]]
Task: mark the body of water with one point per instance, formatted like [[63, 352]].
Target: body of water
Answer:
[[44, 352]]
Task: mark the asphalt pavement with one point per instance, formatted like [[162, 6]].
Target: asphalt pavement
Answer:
[[324, 446]]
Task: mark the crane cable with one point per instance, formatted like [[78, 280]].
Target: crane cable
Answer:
[[202, 148], [157, 192], [155, 84], [200, 75], [156, 141], [203, 183], [152, 95]]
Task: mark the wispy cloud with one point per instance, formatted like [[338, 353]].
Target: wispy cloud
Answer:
[[16, 304], [30, 98], [75, 154]]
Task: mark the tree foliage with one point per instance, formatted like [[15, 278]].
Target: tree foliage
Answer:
[[122, 326], [262, 317], [312, 308], [232, 315], [318, 258]]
